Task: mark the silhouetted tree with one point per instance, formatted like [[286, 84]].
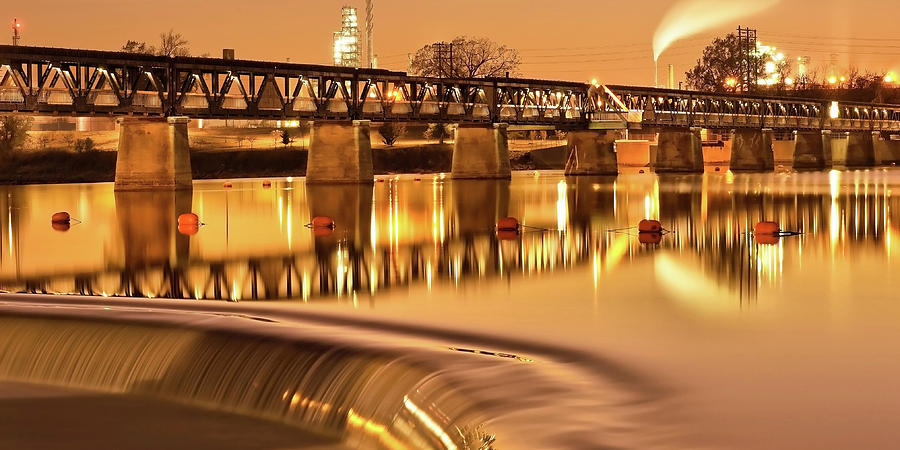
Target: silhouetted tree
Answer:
[[13, 133], [390, 132], [471, 58], [440, 131], [170, 44]]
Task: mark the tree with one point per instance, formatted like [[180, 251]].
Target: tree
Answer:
[[440, 131], [84, 145], [138, 47], [723, 65], [13, 133], [172, 44], [390, 132], [286, 137], [471, 58]]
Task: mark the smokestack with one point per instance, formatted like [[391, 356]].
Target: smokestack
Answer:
[[671, 79]]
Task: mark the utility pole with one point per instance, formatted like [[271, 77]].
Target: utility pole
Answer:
[[15, 28], [443, 55]]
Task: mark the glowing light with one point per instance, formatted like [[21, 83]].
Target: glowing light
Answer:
[[789, 81], [834, 111], [731, 82], [890, 77], [832, 80], [770, 67]]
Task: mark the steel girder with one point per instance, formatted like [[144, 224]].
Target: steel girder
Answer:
[[82, 82]]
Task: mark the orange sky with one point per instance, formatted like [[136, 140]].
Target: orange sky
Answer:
[[564, 39]]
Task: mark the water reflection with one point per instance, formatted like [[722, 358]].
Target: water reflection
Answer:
[[436, 232]]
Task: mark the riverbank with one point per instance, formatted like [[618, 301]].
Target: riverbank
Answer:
[[58, 166]]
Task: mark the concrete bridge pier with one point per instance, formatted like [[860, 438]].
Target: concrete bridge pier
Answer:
[[860, 149], [679, 151], [812, 150], [887, 151], [752, 150], [153, 154], [340, 152], [592, 152], [481, 151]]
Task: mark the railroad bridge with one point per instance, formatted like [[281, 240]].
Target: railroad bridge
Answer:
[[155, 97]]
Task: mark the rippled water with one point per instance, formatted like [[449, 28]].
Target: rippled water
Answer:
[[706, 338]]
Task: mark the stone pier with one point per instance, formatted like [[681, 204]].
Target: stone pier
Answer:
[[481, 151], [153, 154], [812, 150], [860, 149], [340, 152], [679, 151], [752, 150], [592, 152]]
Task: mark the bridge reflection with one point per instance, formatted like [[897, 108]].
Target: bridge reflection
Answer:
[[439, 234]]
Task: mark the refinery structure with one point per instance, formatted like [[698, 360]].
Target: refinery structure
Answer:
[[347, 41]]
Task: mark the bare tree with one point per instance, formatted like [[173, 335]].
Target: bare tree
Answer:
[[468, 58], [172, 44], [138, 47]]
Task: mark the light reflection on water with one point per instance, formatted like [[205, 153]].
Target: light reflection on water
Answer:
[[433, 231]]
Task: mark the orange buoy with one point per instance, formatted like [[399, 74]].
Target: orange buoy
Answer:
[[508, 224], [61, 226], [650, 226], [767, 228], [322, 222], [766, 239], [650, 238], [267, 184], [641, 171], [506, 235], [226, 184], [322, 232], [61, 217], [189, 229], [188, 219], [718, 169]]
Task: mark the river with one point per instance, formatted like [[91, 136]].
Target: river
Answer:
[[588, 333]]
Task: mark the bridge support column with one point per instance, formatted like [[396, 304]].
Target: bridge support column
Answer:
[[679, 151], [860, 149], [592, 152], [153, 154], [812, 150], [752, 150], [481, 152], [340, 153]]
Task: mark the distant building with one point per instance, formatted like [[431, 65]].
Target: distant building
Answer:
[[346, 41]]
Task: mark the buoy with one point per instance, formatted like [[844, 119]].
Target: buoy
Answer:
[[417, 179], [381, 180], [506, 235], [766, 239], [641, 171], [649, 226], [717, 169], [189, 229], [61, 217], [650, 238], [226, 184], [322, 232], [767, 228], [267, 184], [188, 219], [61, 226], [508, 224], [322, 222]]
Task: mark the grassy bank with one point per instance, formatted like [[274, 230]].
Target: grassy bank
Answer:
[[58, 166]]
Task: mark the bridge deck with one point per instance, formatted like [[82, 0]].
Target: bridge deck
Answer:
[[57, 81]]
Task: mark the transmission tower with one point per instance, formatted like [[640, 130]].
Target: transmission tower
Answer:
[[15, 28], [749, 58]]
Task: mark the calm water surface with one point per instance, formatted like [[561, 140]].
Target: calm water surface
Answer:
[[704, 339]]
